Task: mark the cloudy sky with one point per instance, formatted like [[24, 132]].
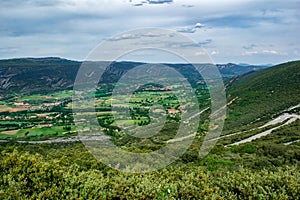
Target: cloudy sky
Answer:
[[240, 31]]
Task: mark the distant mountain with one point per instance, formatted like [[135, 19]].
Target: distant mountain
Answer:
[[262, 94], [44, 75], [35, 75], [229, 70], [245, 65]]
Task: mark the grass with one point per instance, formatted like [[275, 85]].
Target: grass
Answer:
[[65, 94], [58, 131], [5, 136]]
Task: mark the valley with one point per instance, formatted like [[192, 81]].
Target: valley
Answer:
[[49, 116], [260, 140]]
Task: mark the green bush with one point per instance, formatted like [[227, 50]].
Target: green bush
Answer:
[[24, 175]]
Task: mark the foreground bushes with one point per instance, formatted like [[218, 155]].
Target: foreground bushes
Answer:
[[33, 176]]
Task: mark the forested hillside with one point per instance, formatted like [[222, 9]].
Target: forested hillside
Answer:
[[261, 95]]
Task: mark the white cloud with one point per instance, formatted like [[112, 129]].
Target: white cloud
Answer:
[[188, 6], [199, 25], [214, 53], [249, 53], [191, 29], [270, 52], [187, 30], [263, 52], [200, 53]]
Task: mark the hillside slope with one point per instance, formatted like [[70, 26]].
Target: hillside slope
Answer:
[[263, 94], [36, 75]]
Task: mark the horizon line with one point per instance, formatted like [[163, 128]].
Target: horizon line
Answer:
[[148, 62]]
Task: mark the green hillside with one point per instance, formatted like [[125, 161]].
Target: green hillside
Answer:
[[261, 95]]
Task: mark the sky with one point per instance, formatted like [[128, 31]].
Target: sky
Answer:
[[238, 31]]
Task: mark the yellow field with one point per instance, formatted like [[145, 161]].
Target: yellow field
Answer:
[[13, 132]]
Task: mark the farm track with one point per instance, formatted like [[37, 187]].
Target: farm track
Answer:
[[65, 140]]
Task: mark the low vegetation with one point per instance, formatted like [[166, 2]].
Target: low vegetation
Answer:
[[70, 172]]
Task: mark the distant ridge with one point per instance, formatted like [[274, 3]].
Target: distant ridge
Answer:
[[36, 75], [44, 75], [262, 65]]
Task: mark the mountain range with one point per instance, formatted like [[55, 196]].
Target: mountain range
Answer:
[[44, 75]]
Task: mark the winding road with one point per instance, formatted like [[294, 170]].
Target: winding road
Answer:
[[289, 118]]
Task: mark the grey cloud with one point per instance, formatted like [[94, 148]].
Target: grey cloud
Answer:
[[250, 47], [141, 3], [124, 37], [38, 3], [187, 6], [8, 50], [187, 30], [204, 43], [135, 36], [138, 4], [266, 12], [159, 1], [42, 3], [191, 29]]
